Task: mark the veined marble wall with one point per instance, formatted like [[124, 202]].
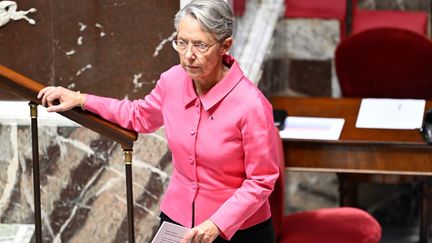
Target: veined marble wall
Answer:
[[83, 192]]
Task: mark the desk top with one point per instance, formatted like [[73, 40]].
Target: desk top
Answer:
[[359, 150], [348, 109]]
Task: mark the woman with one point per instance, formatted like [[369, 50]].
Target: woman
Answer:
[[218, 125]]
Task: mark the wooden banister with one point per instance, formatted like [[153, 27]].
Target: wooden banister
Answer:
[[28, 89]]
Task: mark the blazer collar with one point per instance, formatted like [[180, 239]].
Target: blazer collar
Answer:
[[220, 90]]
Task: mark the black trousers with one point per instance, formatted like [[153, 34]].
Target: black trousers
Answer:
[[259, 233]]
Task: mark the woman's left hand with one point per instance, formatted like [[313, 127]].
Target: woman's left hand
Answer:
[[206, 232]]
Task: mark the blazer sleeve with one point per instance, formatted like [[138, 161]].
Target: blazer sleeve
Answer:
[[142, 115], [261, 167]]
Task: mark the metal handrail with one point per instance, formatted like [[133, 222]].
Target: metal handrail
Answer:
[[28, 89]]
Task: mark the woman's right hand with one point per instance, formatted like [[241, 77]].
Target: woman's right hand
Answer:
[[68, 99]]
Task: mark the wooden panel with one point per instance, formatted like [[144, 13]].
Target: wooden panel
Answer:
[[360, 158], [347, 108]]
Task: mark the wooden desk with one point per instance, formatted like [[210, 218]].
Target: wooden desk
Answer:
[[359, 150]]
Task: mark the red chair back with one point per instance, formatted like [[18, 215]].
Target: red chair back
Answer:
[[385, 63], [410, 20], [328, 9]]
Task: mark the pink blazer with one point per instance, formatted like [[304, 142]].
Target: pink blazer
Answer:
[[222, 144]]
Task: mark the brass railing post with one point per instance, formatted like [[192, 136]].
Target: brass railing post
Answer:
[[129, 194], [36, 180]]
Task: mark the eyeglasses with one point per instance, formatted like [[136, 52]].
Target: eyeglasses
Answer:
[[180, 46]]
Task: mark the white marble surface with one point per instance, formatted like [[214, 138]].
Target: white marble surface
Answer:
[[18, 112], [253, 35], [306, 39], [16, 233]]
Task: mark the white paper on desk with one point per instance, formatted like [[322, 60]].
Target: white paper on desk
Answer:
[[170, 233], [391, 113], [312, 128]]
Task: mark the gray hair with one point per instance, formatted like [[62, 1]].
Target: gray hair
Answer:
[[214, 16]]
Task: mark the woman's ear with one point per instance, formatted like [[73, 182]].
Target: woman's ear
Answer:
[[226, 45]]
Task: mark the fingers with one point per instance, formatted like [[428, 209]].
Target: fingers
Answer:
[[56, 108], [197, 236], [50, 97], [206, 232], [66, 98], [47, 95], [189, 236], [194, 236], [42, 91]]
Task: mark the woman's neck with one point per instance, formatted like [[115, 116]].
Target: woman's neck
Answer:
[[203, 86]]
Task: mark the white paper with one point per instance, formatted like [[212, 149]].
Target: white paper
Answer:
[[312, 128], [391, 113], [170, 233]]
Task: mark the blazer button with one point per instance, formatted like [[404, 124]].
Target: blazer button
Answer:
[[191, 160], [192, 132], [194, 185]]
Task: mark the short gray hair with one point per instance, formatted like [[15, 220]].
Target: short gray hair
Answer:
[[214, 16]]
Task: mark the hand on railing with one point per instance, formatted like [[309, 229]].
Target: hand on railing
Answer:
[[60, 100], [68, 99]]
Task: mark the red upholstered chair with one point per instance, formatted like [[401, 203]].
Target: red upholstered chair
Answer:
[[385, 63], [353, 19], [329, 225], [328, 9], [416, 21]]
